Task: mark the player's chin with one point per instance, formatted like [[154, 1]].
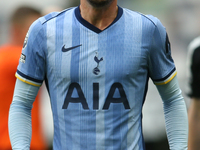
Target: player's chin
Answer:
[[100, 3]]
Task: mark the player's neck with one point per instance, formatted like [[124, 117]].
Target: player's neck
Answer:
[[99, 17]]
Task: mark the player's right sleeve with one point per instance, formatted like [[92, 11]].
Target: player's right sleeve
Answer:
[[31, 68], [30, 75], [20, 128]]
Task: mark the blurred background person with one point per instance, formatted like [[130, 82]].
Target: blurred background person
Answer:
[[10, 52], [193, 66]]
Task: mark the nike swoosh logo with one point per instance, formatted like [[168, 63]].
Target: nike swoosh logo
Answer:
[[70, 48]]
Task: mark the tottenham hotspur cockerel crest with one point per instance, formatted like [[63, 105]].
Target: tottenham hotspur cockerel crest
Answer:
[[96, 70]]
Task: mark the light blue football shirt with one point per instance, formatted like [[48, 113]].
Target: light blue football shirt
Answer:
[[97, 80]]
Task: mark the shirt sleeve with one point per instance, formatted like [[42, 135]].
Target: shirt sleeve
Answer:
[[20, 128], [175, 115], [161, 65], [31, 68]]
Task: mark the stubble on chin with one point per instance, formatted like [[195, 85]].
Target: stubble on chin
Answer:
[[99, 3]]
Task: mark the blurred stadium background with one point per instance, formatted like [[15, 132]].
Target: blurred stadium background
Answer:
[[181, 19]]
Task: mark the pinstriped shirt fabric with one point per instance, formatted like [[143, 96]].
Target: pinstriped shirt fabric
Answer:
[[97, 80]]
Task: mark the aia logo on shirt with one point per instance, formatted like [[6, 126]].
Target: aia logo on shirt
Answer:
[[76, 95]]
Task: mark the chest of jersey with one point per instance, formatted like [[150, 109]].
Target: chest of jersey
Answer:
[[98, 67], [109, 55], [115, 59]]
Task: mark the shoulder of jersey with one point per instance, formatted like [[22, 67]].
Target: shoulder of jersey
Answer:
[[150, 18], [52, 15]]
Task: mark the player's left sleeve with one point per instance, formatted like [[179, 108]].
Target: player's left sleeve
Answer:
[[175, 111], [161, 65]]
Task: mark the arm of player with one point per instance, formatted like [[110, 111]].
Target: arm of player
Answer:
[[175, 111], [20, 128]]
